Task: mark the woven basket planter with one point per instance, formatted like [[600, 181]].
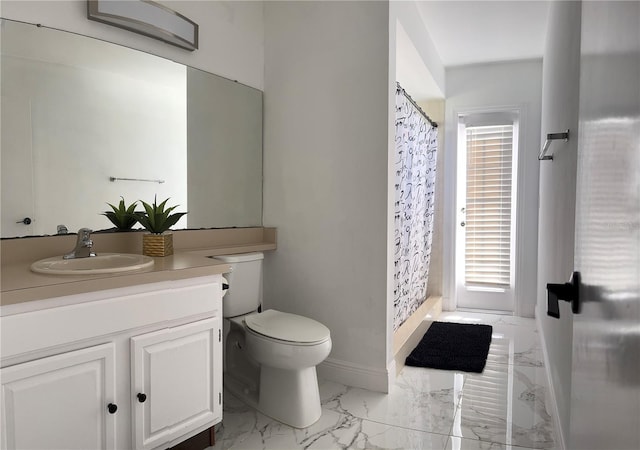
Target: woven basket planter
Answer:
[[157, 244]]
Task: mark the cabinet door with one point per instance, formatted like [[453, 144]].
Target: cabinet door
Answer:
[[60, 402], [176, 382]]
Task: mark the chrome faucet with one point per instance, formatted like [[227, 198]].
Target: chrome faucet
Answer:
[[84, 245]]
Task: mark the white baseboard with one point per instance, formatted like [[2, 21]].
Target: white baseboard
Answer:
[[412, 331], [356, 375], [554, 402], [380, 380]]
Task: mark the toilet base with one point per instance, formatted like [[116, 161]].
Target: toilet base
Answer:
[[290, 396]]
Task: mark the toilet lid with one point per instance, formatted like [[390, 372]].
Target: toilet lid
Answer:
[[287, 327]]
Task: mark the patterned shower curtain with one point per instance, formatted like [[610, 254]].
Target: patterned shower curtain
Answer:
[[415, 175]]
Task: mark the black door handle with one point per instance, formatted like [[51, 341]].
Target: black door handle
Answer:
[[112, 408], [569, 292]]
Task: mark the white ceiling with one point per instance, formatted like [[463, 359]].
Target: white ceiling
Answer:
[[471, 32]]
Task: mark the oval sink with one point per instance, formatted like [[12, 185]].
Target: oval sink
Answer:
[[103, 263]]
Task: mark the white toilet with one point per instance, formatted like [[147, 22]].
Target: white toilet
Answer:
[[270, 357]]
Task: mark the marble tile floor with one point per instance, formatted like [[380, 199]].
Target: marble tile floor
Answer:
[[504, 408]]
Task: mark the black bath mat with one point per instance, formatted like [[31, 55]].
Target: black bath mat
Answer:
[[453, 346]]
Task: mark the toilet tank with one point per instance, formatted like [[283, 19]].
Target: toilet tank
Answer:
[[245, 283]]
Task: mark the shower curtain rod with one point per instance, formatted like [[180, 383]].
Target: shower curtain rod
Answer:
[[399, 88]]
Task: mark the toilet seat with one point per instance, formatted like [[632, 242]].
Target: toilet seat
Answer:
[[287, 327]]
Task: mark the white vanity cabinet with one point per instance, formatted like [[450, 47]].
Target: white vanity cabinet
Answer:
[[46, 401], [174, 372], [129, 368]]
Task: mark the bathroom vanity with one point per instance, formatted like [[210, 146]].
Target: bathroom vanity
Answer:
[[112, 369], [138, 366], [115, 361]]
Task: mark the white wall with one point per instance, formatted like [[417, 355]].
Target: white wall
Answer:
[[413, 56], [435, 109], [326, 124], [411, 25], [556, 221], [231, 33], [478, 87]]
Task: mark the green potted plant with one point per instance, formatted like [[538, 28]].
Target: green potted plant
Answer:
[[122, 216], [157, 220]]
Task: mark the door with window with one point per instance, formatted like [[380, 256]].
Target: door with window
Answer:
[[486, 207]]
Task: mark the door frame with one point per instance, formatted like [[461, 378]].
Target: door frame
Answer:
[[485, 294], [521, 226]]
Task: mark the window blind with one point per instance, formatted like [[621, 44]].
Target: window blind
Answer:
[[488, 205]]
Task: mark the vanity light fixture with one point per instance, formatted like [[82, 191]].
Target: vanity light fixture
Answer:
[[148, 18]]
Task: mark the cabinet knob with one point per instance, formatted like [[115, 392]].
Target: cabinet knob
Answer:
[[112, 408], [142, 397]]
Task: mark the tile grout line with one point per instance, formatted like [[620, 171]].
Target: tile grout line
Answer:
[[385, 423]]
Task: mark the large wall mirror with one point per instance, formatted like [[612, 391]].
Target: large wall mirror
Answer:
[[85, 122]]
